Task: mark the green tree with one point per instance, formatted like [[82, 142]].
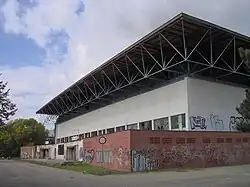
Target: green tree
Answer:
[[7, 108], [21, 132], [244, 108]]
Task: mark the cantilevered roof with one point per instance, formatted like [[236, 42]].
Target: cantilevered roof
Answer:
[[184, 46]]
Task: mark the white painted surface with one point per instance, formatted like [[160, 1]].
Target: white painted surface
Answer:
[[214, 102], [166, 101], [79, 146]]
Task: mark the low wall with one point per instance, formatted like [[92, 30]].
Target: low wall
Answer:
[[153, 150], [163, 150], [28, 152], [116, 151]]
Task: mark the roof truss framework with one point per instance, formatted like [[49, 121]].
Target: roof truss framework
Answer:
[[183, 47]]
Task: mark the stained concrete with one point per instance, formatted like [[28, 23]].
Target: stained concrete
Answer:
[[22, 174]]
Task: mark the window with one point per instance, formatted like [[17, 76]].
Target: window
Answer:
[[66, 139], [58, 140], [111, 130], [132, 126], [121, 128], [94, 133], [60, 149], [146, 125], [87, 135], [178, 121], [161, 124], [62, 140], [101, 132]]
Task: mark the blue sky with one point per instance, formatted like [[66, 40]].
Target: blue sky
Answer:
[[46, 45], [17, 51]]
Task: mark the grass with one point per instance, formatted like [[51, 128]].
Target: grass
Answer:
[[87, 169], [79, 167]]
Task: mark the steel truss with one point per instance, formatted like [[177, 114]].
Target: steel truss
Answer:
[[185, 46]]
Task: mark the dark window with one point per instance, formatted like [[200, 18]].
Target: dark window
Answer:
[[94, 133], [146, 125], [66, 139], [121, 128], [60, 149], [87, 135], [161, 124], [62, 140], [101, 132], [111, 130], [132, 126], [178, 121]]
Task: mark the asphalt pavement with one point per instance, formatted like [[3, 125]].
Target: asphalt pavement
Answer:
[[22, 174]]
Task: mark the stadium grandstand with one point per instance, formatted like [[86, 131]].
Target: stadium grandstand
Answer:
[[187, 74]]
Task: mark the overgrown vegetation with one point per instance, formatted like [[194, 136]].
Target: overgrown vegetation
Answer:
[[14, 134], [244, 108], [78, 167]]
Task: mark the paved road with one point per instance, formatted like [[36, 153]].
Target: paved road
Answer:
[[20, 174]]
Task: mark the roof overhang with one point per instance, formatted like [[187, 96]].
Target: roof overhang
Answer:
[[184, 46]]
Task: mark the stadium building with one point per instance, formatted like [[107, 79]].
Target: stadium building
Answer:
[[186, 75]]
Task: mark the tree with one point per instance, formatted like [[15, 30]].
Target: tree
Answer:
[[244, 108], [7, 108], [21, 132]]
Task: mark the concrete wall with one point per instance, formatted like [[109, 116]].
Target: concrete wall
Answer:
[[153, 150], [211, 106], [79, 146], [162, 102], [28, 152]]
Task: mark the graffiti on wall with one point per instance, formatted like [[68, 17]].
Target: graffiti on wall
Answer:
[[26, 155], [87, 155], [122, 157], [104, 156], [198, 122], [186, 155], [214, 122]]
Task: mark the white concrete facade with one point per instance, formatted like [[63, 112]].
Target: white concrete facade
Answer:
[[163, 102], [206, 105], [213, 104], [78, 149]]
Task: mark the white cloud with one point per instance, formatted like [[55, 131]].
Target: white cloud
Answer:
[[101, 31]]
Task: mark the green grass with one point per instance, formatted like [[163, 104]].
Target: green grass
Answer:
[[79, 167], [87, 169]]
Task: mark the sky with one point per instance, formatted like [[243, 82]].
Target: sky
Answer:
[[47, 45]]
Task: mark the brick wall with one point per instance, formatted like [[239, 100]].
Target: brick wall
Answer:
[[115, 151], [162, 150], [151, 150]]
